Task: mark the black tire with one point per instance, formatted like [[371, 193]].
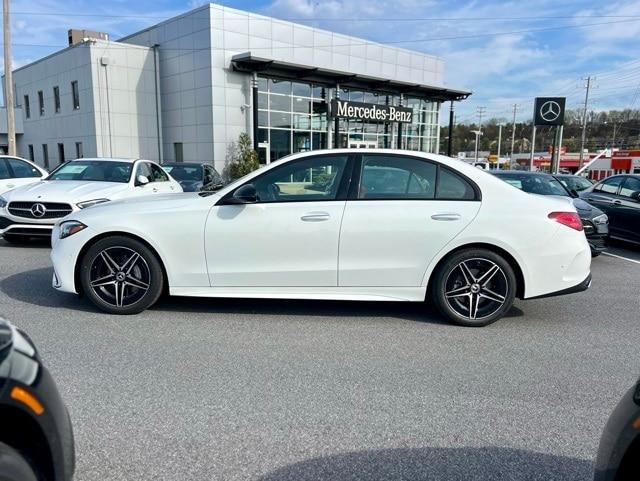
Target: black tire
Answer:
[[13, 467], [119, 282], [481, 294], [15, 239]]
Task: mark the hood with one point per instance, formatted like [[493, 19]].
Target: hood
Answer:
[[157, 204], [191, 185], [69, 191]]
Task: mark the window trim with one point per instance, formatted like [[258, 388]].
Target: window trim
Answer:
[[601, 183], [622, 184], [357, 171], [341, 194]]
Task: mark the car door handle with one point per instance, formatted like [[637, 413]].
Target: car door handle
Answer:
[[155, 189], [315, 217], [617, 202], [11, 186], [446, 216]]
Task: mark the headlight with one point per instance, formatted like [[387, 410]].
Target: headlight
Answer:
[[70, 227], [3, 202], [89, 203], [601, 219]]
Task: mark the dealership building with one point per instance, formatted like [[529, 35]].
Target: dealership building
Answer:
[[186, 88]]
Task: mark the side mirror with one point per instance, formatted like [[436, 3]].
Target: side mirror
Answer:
[[244, 195], [142, 180], [636, 196]]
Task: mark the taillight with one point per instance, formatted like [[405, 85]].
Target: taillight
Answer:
[[570, 219]]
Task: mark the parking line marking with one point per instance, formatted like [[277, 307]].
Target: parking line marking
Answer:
[[621, 257]]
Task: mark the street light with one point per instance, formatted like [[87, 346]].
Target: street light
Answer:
[[477, 133]]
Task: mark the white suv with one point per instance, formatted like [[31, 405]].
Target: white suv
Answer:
[[32, 210], [16, 172]]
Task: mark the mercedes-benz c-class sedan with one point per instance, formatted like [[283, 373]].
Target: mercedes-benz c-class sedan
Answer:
[[32, 210], [379, 225], [16, 172], [36, 437]]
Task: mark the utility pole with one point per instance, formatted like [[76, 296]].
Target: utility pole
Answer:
[[8, 80], [513, 133], [499, 142], [584, 121]]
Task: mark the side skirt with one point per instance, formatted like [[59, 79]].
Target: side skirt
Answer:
[[412, 294]]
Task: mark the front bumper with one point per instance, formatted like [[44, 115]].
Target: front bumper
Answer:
[[19, 227]]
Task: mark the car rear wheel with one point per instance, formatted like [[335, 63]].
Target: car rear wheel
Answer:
[[13, 467], [474, 287], [121, 275]]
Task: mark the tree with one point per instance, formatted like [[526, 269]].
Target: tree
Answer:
[[242, 158]]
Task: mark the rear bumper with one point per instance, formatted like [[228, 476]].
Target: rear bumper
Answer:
[[583, 286]]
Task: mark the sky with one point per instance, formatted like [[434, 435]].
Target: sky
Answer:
[[505, 52]]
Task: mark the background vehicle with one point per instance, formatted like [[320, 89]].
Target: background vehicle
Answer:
[[195, 177], [36, 438], [618, 456], [16, 172], [619, 197], [404, 224], [595, 222], [574, 182], [31, 210]]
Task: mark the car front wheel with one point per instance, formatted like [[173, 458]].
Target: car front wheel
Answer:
[[121, 275], [474, 287]]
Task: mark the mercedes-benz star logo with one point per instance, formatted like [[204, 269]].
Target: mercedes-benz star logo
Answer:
[[38, 210], [550, 111]]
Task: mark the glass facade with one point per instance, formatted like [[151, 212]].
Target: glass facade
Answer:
[[292, 117]]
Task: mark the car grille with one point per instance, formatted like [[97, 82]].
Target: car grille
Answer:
[[53, 210]]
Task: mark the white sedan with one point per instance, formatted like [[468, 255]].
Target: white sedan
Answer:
[[32, 210], [380, 225], [16, 172]]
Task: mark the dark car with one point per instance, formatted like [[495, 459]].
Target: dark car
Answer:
[[574, 182], [36, 439], [195, 177], [595, 222], [618, 456], [619, 197]]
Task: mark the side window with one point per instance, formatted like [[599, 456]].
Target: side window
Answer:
[[144, 168], [631, 185], [610, 186], [396, 177], [309, 179], [158, 174], [452, 186], [22, 169], [4, 170]]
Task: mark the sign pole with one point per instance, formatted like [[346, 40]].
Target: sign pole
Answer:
[[560, 148], [533, 148]]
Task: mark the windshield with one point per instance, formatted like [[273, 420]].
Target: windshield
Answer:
[[536, 184], [93, 170], [184, 172]]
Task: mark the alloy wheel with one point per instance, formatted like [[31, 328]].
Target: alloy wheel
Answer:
[[476, 288], [119, 276]]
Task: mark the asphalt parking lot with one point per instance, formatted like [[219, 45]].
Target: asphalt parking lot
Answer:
[[282, 390]]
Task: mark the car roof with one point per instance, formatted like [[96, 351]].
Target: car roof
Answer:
[[190, 164], [106, 159], [520, 172]]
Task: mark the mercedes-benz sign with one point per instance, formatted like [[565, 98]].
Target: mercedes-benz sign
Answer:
[[549, 110]]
